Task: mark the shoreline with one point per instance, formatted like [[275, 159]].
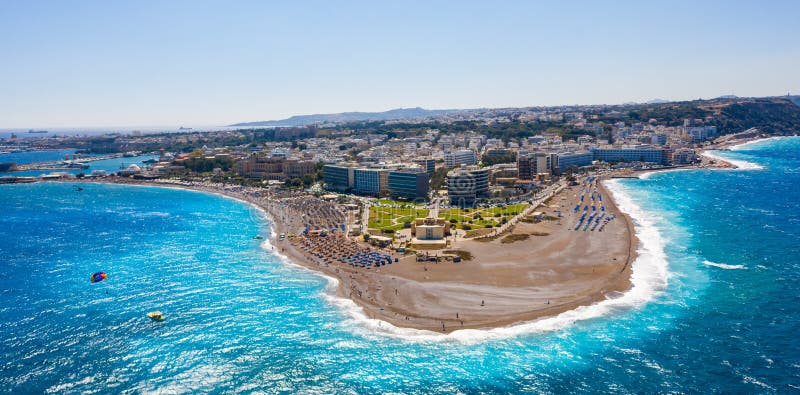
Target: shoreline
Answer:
[[370, 314], [378, 316], [733, 145]]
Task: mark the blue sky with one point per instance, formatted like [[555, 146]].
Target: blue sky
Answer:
[[115, 63]]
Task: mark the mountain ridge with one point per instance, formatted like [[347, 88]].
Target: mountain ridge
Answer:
[[312, 119]]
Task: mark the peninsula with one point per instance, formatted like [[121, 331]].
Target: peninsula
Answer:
[[439, 221]]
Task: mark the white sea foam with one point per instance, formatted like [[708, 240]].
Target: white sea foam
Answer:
[[649, 277], [740, 164], [742, 146], [725, 266], [647, 175]]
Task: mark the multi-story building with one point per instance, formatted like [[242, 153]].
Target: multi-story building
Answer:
[[339, 178], [700, 133], [500, 152], [297, 168], [272, 168], [466, 185], [533, 164], [658, 139], [631, 154], [408, 183], [684, 156], [460, 157], [568, 160], [428, 164], [371, 182]]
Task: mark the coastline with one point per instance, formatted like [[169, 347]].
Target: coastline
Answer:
[[377, 314], [429, 293], [643, 274], [734, 145]]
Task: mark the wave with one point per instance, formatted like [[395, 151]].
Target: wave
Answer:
[[743, 146], [725, 266], [647, 175], [648, 278], [740, 164]]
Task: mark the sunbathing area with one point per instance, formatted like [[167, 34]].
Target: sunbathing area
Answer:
[[536, 267], [336, 248], [598, 209]]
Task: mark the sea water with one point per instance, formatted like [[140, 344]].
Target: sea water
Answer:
[[715, 305], [108, 165]]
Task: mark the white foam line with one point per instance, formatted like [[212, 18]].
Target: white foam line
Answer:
[[742, 146], [740, 164], [649, 278], [725, 266], [648, 174]]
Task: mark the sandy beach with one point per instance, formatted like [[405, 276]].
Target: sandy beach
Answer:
[[553, 269]]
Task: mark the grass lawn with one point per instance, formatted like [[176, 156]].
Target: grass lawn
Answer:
[[390, 218], [480, 218], [390, 202]]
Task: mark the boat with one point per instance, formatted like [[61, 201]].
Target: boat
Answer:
[[258, 237], [75, 165], [155, 316]]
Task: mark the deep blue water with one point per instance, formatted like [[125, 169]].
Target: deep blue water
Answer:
[[240, 320]]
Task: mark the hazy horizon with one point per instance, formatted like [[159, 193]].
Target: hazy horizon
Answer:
[[94, 64], [152, 128]]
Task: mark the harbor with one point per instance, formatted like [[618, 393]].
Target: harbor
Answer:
[[72, 163]]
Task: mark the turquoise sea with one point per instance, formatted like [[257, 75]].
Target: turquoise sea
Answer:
[[715, 306]]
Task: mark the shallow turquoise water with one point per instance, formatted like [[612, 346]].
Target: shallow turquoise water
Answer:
[[240, 320]]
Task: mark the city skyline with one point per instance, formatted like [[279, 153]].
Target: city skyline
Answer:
[[99, 64]]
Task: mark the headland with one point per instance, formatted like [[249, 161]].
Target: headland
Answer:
[[542, 264]]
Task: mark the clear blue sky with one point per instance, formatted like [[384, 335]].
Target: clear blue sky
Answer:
[[135, 63]]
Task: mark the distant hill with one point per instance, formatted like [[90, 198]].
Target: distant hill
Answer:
[[771, 115], [305, 120], [656, 101]]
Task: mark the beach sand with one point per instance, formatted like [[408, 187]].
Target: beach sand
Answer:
[[503, 284], [555, 269]]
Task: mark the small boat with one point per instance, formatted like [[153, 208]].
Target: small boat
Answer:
[[258, 237], [155, 316]]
